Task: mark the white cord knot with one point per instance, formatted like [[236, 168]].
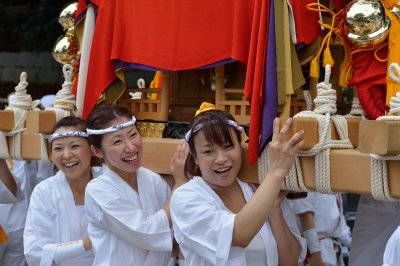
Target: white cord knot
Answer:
[[20, 104], [22, 100], [394, 67], [325, 102], [395, 105], [356, 109], [65, 102]]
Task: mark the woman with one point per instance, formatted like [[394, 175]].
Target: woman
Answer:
[[324, 227], [56, 224], [128, 205], [217, 219]]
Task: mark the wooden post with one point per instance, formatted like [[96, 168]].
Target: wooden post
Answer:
[[164, 96]]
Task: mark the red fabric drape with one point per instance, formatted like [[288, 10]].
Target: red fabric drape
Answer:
[[253, 89], [369, 78], [169, 35], [306, 21], [178, 35]]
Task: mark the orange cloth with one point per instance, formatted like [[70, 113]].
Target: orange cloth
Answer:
[[3, 235], [168, 35]]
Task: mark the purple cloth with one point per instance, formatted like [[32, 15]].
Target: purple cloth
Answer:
[[127, 65], [270, 102]]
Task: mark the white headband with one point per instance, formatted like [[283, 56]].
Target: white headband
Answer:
[[54, 136], [200, 126], [112, 128]]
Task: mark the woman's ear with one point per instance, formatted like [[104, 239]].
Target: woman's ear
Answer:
[[97, 152]]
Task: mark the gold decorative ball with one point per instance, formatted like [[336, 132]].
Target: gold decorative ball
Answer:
[[366, 22], [67, 15], [66, 50]]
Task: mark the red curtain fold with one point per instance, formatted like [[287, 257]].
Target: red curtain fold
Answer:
[[253, 89], [178, 35], [169, 35]]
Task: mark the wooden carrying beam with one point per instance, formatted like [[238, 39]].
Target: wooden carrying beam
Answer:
[[351, 172], [30, 146], [350, 169], [310, 127], [165, 149], [379, 137], [40, 121], [6, 120]]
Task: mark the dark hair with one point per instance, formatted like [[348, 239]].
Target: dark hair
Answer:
[[101, 117], [71, 121], [215, 130]]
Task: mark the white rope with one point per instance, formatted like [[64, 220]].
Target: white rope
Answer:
[[64, 105], [379, 174], [20, 105], [44, 156], [308, 99], [356, 110], [325, 107], [392, 68], [65, 102]]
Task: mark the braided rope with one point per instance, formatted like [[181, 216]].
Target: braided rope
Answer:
[[64, 105], [379, 174], [44, 156], [356, 110], [20, 105], [392, 68], [308, 99], [65, 102], [325, 106], [379, 180]]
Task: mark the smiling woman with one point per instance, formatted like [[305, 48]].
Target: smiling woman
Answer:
[[220, 220], [56, 227], [128, 205]]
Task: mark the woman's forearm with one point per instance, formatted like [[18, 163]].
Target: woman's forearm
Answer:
[[254, 214], [288, 246]]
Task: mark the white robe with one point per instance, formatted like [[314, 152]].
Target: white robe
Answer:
[[126, 227], [13, 215], [328, 219], [203, 227], [375, 222], [53, 219], [391, 257]]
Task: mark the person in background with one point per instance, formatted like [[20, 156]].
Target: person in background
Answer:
[[220, 220], [375, 222], [391, 256], [47, 101], [9, 190], [128, 204], [13, 214], [56, 225], [324, 227]]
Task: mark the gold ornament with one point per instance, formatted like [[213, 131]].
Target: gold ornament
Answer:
[[67, 16], [66, 49], [366, 22]]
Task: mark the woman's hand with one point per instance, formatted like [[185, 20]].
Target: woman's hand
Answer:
[[177, 166], [87, 243], [316, 259], [283, 150]]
